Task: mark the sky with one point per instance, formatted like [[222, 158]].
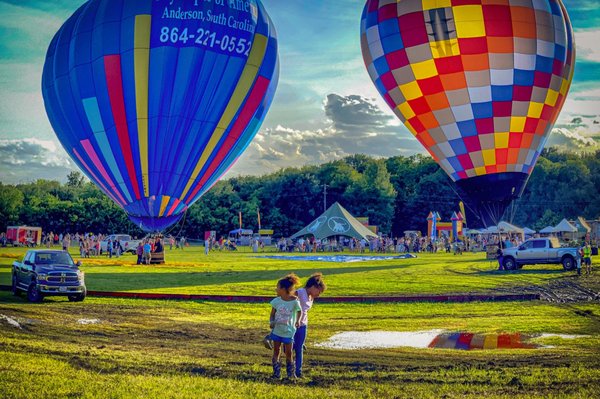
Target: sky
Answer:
[[325, 107]]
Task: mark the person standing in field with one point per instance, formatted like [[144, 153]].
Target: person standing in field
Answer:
[[285, 316], [587, 258], [313, 289], [146, 254], [139, 251]]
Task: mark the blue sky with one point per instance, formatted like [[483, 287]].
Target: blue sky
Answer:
[[325, 108]]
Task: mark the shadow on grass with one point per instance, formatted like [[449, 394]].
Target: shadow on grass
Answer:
[[520, 272], [154, 280]]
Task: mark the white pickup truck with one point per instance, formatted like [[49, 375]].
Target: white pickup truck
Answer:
[[129, 244], [540, 250]]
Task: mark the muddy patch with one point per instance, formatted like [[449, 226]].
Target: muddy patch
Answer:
[[10, 321], [436, 339], [559, 291]]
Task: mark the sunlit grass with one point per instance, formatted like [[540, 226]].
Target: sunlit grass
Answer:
[[207, 349], [202, 349], [243, 273]]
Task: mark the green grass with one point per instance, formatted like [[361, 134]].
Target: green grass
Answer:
[[202, 349], [244, 273], [205, 349]]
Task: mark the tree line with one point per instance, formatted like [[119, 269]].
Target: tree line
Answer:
[[396, 194]]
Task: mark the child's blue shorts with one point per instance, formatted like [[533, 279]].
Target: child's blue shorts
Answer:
[[283, 340]]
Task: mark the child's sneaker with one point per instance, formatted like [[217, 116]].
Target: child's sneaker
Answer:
[[268, 342], [290, 368], [276, 370]]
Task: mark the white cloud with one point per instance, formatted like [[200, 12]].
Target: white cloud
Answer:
[[356, 125], [586, 44], [29, 159], [571, 139]]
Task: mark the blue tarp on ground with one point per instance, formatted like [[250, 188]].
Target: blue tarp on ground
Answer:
[[338, 258]]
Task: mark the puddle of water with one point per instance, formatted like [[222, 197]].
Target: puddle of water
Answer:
[[380, 339], [88, 321], [435, 339], [339, 258], [11, 321], [563, 336]]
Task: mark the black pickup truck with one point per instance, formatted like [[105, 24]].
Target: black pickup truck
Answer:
[[48, 273]]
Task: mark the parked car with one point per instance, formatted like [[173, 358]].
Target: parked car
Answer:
[[540, 250], [48, 273], [129, 244]]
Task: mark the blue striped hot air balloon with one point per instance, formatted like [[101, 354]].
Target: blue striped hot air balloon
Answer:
[[155, 100]]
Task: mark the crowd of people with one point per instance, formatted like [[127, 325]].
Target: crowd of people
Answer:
[[91, 244], [406, 244]]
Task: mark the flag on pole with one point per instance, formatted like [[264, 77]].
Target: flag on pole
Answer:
[[240, 214], [462, 210], [258, 217]]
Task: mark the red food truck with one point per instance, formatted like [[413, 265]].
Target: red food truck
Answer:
[[24, 235]]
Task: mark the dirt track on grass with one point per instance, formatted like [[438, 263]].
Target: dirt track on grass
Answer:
[[564, 290]]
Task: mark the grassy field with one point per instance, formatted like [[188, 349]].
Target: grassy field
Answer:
[[245, 273], [181, 349]]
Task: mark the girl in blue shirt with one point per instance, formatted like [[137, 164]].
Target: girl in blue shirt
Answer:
[[285, 316]]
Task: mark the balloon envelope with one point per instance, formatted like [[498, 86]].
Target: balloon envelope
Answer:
[[480, 84], [155, 99]]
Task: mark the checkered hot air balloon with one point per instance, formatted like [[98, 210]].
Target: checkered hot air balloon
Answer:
[[479, 83], [154, 100]]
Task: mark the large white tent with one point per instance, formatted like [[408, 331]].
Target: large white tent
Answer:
[[565, 227]]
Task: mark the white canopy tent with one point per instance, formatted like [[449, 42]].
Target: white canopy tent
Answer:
[[505, 227], [528, 231], [566, 229], [547, 230]]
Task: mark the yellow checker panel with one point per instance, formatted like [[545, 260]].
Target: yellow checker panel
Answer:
[[424, 70], [517, 123], [406, 110], [480, 171], [469, 21], [411, 90], [535, 110], [501, 140], [489, 157], [444, 48], [431, 4], [551, 97]]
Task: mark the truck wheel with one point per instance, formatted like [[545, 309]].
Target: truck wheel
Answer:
[[15, 289], [510, 264], [568, 263], [34, 294], [77, 297]]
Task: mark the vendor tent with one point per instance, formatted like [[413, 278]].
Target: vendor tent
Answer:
[[335, 221], [565, 227], [547, 230], [528, 231], [505, 227]]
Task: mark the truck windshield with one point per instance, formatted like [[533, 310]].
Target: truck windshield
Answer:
[[47, 258]]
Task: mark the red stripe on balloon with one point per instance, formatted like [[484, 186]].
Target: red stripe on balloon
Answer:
[[176, 203], [114, 83], [250, 107], [91, 172]]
